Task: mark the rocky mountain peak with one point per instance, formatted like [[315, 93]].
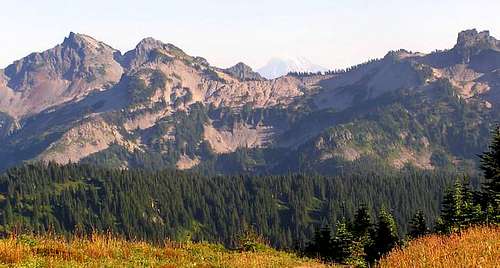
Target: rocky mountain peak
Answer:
[[149, 43], [243, 72], [77, 40], [471, 42], [400, 54], [473, 38], [85, 44], [80, 91], [77, 66], [148, 49]]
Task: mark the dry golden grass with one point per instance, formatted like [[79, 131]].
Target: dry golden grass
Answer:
[[108, 251], [474, 247]]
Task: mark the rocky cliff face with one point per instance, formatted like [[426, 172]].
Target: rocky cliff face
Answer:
[[470, 43], [84, 101], [66, 72], [243, 72]]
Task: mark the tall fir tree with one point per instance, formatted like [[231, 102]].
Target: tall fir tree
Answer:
[[459, 209], [490, 165], [362, 222], [322, 244], [386, 236], [471, 209], [451, 211], [363, 233], [342, 243], [418, 225]]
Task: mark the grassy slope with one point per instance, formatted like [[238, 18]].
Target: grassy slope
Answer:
[[105, 251], [474, 247]]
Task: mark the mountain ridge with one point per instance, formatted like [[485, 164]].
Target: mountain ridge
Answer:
[[83, 100]]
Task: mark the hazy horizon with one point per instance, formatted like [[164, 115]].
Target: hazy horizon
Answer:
[[331, 34]]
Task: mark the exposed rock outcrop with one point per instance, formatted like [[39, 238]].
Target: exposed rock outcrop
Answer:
[[84, 139], [243, 72], [66, 72], [471, 43], [82, 96]]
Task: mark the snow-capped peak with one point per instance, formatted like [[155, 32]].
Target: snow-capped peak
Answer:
[[277, 67]]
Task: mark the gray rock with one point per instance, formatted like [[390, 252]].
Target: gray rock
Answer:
[[243, 72]]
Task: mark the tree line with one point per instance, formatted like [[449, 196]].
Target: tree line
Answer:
[[354, 218], [360, 241], [155, 205], [333, 71]]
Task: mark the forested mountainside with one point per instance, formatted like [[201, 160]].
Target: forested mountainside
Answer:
[[327, 218], [182, 205], [156, 107]]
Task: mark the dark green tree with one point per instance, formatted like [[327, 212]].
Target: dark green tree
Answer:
[[386, 236], [490, 165], [362, 222], [459, 210], [363, 234], [451, 211], [471, 208], [342, 243], [322, 244], [418, 225]]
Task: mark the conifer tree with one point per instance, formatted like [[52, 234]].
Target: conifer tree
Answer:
[[322, 244], [418, 225], [471, 210], [342, 243], [386, 234], [490, 165], [363, 233], [362, 222], [458, 209], [451, 212]]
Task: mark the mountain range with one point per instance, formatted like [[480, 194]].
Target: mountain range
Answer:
[[157, 107]]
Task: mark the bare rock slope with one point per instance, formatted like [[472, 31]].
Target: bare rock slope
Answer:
[[82, 99]]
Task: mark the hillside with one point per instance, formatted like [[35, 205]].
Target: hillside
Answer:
[[293, 211], [106, 251], [474, 247], [187, 205], [156, 106]]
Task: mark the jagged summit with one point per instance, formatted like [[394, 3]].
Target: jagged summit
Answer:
[[149, 49], [150, 43], [474, 39], [70, 70], [146, 100], [83, 41], [76, 38], [402, 54], [471, 43], [243, 72]]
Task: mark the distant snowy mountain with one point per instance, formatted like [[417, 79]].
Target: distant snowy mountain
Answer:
[[277, 67]]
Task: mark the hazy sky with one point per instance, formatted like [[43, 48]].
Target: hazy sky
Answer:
[[331, 33]]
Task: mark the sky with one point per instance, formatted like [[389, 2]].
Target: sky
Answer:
[[331, 33]]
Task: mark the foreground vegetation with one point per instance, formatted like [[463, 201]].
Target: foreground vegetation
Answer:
[[473, 247], [108, 251]]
